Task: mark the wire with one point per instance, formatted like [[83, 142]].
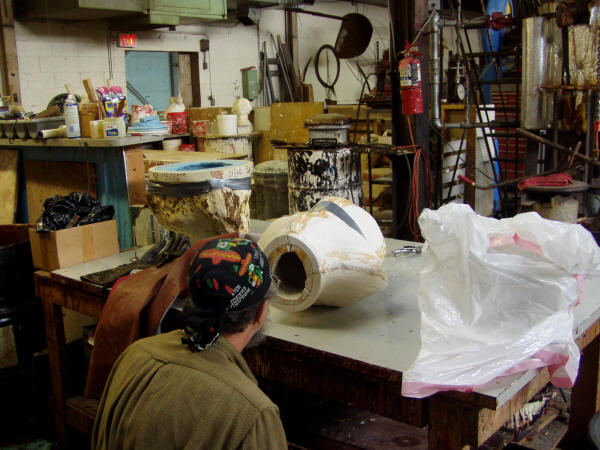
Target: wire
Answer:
[[360, 100], [327, 85], [212, 98], [415, 192]]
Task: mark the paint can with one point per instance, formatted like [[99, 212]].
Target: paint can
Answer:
[[322, 170], [269, 198], [226, 124], [171, 145], [179, 120]]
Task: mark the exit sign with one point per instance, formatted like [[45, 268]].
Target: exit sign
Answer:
[[127, 40]]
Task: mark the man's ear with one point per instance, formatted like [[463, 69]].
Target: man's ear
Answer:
[[263, 312]]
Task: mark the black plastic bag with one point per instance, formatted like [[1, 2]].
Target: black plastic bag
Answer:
[[60, 211]]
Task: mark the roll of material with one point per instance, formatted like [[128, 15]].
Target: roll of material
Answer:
[[227, 125], [54, 133]]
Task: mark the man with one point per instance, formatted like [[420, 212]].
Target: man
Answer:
[[192, 388]]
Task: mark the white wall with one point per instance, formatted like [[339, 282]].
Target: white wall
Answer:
[[51, 53], [314, 31]]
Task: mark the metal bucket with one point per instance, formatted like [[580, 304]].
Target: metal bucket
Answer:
[[318, 173], [270, 191]]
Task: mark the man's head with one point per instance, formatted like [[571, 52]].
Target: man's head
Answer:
[[228, 282]]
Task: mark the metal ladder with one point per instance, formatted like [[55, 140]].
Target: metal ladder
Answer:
[[506, 106]]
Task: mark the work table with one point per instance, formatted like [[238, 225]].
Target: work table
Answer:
[[112, 170], [125, 141], [354, 355]]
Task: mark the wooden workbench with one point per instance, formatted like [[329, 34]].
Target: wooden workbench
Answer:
[[355, 355], [110, 169]]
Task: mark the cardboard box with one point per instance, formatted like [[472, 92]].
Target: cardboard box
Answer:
[[63, 248]]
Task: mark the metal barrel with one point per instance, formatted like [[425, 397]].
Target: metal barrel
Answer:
[[318, 173], [270, 190]]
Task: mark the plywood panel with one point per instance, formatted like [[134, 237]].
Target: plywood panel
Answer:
[[45, 179], [136, 183], [9, 160], [287, 120], [185, 78]]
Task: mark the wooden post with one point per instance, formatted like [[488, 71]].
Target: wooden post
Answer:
[[195, 72], [55, 339], [471, 159], [585, 396], [291, 38], [451, 424], [10, 64]]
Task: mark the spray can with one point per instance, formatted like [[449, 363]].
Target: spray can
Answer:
[[72, 117]]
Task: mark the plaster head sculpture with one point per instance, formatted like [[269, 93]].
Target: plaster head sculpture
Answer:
[[242, 108], [331, 255]]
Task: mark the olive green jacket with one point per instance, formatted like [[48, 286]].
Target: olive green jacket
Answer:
[[160, 395]]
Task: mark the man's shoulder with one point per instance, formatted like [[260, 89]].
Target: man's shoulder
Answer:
[[212, 370]]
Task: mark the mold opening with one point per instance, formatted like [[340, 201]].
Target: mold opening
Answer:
[[188, 167], [290, 270]]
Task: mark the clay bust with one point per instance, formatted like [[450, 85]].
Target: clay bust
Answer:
[[242, 107], [331, 255]]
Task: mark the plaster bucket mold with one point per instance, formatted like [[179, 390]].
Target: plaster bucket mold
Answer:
[[203, 198], [331, 255]]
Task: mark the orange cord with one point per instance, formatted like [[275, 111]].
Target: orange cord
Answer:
[[413, 215]]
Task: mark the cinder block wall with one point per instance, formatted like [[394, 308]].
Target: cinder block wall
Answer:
[[51, 54]]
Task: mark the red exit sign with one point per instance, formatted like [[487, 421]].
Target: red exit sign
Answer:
[[127, 40]]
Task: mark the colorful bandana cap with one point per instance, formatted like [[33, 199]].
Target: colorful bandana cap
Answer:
[[225, 275]]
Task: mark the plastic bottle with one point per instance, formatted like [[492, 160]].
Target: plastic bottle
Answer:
[[72, 117]]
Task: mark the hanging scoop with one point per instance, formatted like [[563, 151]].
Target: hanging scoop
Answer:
[[354, 36]]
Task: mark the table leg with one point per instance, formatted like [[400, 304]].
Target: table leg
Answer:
[[452, 424], [585, 396], [55, 339]]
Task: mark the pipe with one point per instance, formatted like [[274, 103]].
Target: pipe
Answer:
[[541, 140], [478, 21], [434, 66], [313, 13], [53, 133]]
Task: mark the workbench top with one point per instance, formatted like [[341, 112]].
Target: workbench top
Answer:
[[382, 330], [125, 141]]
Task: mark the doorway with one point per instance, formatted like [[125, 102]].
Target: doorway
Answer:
[[155, 77], [151, 78]]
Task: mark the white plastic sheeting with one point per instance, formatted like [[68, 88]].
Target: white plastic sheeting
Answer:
[[497, 298]]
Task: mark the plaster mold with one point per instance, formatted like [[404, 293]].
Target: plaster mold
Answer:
[[201, 199], [331, 255]]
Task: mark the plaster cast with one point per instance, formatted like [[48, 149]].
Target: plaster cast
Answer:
[[322, 260], [200, 215]]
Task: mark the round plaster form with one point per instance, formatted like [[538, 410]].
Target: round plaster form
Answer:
[[184, 204], [322, 260]]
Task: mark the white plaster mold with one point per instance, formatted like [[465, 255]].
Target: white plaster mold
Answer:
[[202, 215], [321, 260]]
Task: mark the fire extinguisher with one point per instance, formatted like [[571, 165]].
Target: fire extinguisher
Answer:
[[410, 82]]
